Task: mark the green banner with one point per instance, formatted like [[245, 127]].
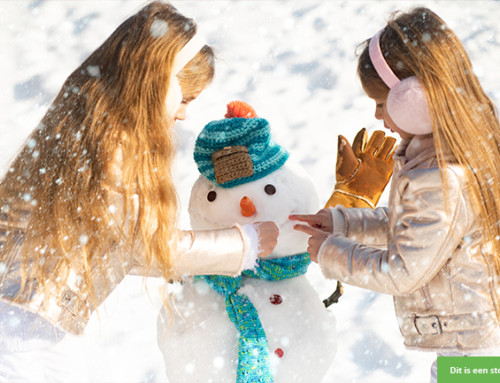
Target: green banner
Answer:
[[468, 369]]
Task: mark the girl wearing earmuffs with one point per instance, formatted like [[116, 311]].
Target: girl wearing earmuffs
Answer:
[[436, 246]]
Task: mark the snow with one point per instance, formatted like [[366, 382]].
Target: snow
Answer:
[[294, 62], [159, 28]]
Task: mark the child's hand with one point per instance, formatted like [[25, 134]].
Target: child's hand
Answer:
[[319, 227], [316, 239], [322, 220], [268, 237]]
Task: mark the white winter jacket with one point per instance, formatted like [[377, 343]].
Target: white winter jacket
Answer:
[[434, 261]]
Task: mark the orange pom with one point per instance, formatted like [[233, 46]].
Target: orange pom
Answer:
[[240, 109]]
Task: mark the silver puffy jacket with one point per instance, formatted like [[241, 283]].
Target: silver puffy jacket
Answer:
[[429, 256]]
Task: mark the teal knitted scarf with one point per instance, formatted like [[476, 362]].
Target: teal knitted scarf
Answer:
[[253, 349]]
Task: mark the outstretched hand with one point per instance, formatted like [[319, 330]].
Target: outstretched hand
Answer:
[[318, 226], [321, 220], [316, 239]]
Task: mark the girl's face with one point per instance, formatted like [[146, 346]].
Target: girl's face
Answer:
[[382, 114], [182, 110]]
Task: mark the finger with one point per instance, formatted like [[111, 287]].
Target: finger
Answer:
[[346, 159], [386, 147], [313, 257], [374, 142], [305, 229], [309, 218], [318, 220], [299, 217], [310, 230], [359, 142]]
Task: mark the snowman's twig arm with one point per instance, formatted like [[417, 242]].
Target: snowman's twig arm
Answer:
[[334, 298]]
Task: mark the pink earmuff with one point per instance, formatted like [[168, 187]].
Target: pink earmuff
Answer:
[[406, 102]]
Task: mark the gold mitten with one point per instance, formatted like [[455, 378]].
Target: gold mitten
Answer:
[[363, 170]]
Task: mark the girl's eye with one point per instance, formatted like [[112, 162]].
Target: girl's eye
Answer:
[[270, 189], [211, 196]]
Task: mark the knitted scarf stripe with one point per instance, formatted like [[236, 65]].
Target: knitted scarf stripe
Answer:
[[280, 268], [253, 349]]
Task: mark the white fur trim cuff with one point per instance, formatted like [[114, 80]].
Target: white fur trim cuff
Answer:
[[252, 248]]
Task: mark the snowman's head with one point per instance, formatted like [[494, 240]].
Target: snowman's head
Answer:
[[245, 178], [286, 191]]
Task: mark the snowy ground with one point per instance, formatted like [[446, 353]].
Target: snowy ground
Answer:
[[294, 61]]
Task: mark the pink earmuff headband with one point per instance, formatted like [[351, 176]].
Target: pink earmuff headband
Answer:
[[377, 57], [406, 102]]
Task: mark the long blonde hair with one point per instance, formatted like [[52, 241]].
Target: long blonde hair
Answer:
[[465, 121], [114, 99]]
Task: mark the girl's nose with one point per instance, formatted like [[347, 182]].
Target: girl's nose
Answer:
[[247, 207], [181, 113]]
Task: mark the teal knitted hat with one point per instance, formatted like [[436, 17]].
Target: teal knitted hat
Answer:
[[237, 149]]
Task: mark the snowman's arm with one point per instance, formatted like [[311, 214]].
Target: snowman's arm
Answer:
[[363, 170]]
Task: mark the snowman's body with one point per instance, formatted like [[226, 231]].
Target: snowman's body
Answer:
[[202, 343]]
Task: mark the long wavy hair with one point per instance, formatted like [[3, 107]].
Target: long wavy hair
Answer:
[[465, 120], [107, 129]]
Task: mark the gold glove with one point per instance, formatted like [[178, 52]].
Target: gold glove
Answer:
[[362, 173], [363, 170]]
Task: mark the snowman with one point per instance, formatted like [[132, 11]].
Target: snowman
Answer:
[[268, 325]]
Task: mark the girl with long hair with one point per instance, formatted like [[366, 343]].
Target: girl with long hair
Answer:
[[90, 197], [436, 247]]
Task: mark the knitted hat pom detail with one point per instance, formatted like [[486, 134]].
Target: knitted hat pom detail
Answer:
[[240, 109]]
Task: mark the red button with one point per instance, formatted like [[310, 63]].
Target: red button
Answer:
[[276, 299], [279, 352]]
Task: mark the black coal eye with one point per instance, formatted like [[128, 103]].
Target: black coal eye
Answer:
[[211, 196], [270, 189]]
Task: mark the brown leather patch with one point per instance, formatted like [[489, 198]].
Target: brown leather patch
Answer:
[[231, 163]]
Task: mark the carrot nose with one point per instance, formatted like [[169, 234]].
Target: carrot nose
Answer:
[[247, 207]]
